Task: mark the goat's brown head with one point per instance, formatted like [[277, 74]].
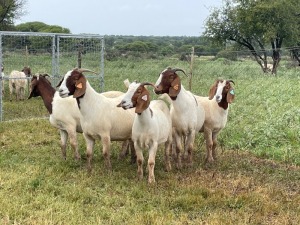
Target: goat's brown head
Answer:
[[27, 71], [169, 82], [223, 92], [136, 96], [38, 79], [73, 83]]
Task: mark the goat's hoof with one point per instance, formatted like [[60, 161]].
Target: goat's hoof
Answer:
[[168, 167], [151, 181], [77, 158], [209, 160]]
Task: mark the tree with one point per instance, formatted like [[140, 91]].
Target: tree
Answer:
[[256, 25], [41, 27], [9, 11]]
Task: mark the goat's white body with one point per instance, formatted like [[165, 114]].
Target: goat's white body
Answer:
[[187, 119], [215, 116], [101, 118], [151, 128], [215, 121], [154, 126], [66, 117], [17, 84]]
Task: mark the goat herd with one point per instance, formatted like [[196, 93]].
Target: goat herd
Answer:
[[133, 118]]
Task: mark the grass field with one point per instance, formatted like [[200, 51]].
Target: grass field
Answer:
[[255, 181]]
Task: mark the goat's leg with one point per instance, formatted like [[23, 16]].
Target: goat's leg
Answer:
[[132, 151], [90, 142], [124, 149], [151, 162], [22, 93], [189, 145], [106, 150], [209, 145], [63, 143], [178, 151], [74, 144], [215, 144], [168, 145], [139, 160]]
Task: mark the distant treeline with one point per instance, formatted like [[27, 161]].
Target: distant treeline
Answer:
[[157, 46]]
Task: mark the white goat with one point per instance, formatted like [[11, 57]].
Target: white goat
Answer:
[[99, 116], [18, 83], [152, 126], [64, 112], [187, 115], [216, 107]]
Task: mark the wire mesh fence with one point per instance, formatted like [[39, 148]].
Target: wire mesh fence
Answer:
[[53, 54]]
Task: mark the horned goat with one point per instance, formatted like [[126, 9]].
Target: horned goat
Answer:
[[64, 112], [152, 126], [99, 116], [18, 82], [216, 107], [187, 115]]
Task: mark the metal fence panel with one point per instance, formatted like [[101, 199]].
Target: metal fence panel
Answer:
[[54, 54]]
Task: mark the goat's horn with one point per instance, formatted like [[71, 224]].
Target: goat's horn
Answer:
[[231, 81], [176, 69], [80, 70], [148, 83]]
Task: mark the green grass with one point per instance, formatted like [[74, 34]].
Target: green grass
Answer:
[[255, 181]]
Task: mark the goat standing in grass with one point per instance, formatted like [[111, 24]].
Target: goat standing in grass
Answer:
[[64, 112], [99, 116], [187, 115], [216, 107], [152, 126], [18, 82]]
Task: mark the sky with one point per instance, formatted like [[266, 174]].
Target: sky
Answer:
[[123, 17]]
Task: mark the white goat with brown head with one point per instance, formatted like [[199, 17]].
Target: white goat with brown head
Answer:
[[187, 115], [216, 107], [99, 116], [152, 126]]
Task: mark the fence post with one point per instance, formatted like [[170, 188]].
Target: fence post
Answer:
[[191, 68], [102, 65], [1, 97]]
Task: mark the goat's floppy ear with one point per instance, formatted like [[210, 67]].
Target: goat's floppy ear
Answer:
[[230, 95], [59, 83], [212, 91], [80, 87], [143, 101], [175, 87]]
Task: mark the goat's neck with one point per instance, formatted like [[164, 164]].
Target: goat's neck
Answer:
[[183, 99], [145, 117], [223, 104], [47, 93], [221, 107], [90, 98]]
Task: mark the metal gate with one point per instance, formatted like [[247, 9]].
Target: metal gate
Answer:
[[50, 53]]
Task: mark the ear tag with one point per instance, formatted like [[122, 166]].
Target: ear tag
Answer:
[[232, 92], [79, 86], [176, 87], [145, 97]]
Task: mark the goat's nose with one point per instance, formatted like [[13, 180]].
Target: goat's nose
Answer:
[[121, 103], [218, 97]]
